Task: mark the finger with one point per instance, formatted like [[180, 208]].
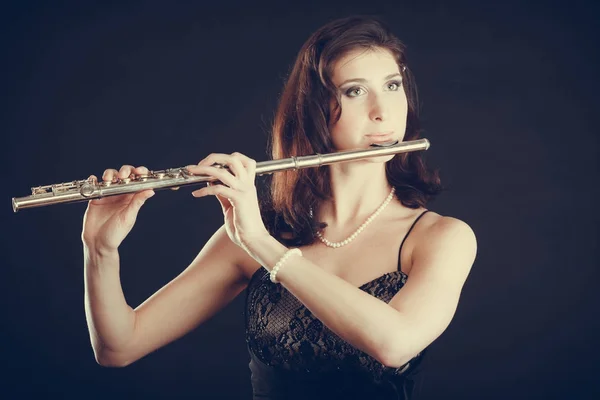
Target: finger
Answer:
[[234, 165], [244, 158], [211, 158], [220, 190], [126, 171], [141, 197], [92, 178], [224, 202], [138, 200], [221, 174], [109, 175], [141, 170], [248, 163]]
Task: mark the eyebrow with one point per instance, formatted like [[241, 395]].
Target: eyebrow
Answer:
[[361, 80]]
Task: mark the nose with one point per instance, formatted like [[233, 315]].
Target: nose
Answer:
[[378, 109]]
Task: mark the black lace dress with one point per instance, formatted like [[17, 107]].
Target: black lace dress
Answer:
[[294, 356]]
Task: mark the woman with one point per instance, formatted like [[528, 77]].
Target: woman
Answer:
[[325, 316]]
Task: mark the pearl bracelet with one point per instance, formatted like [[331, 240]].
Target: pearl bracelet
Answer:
[[277, 266]]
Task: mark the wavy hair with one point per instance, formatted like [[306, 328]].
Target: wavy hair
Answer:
[[301, 127]]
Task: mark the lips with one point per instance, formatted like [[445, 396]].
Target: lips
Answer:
[[380, 137]]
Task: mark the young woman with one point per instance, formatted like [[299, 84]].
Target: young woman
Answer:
[[341, 301]]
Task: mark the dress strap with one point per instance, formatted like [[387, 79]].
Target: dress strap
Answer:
[[407, 233]]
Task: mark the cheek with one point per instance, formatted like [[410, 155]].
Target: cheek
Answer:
[[401, 105], [353, 111], [348, 118], [403, 101], [349, 121]]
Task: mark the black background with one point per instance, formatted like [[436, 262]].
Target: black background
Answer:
[[509, 103]]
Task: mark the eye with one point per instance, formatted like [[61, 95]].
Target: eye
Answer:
[[354, 91], [394, 85]]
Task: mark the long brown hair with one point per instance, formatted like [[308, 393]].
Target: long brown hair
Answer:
[[301, 127]]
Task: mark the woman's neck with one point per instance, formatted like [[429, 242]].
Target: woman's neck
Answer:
[[358, 189]]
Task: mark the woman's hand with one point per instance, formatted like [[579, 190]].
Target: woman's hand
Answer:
[[107, 221], [237, 195]]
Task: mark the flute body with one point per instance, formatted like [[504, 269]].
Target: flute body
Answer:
[[173, 178]]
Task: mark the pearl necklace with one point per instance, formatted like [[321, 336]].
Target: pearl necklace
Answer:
[[360, 228]]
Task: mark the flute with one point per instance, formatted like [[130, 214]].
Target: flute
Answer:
[[173, 178]]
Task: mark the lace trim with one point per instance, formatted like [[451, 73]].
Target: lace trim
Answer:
[[282, 332]]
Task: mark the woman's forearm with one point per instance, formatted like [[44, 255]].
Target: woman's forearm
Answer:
[[110, 320], [362, 320]]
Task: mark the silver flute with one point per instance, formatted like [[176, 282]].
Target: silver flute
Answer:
[[173, 178]]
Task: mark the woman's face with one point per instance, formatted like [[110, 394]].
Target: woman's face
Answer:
[[373, 103]]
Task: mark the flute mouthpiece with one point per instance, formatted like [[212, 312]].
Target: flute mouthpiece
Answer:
[[385, 144]]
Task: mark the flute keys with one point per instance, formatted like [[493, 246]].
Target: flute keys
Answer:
[[87, 189], [130, 178], [38, 190]]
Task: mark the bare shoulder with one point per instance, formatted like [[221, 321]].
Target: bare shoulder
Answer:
[[445, 227], [439, 227], [443, 236]]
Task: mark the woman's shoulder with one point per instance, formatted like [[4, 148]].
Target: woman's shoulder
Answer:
[[440, 232], [433, 229], [428, 222], [434, 222]]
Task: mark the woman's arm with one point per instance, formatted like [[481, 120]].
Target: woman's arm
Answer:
[[387, 332], [121, 335]]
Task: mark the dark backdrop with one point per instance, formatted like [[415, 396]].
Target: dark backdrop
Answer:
[[509, 103]]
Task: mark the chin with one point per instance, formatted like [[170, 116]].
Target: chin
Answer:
[[379, 159]]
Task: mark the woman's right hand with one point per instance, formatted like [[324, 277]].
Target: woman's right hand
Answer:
[[109, 220]]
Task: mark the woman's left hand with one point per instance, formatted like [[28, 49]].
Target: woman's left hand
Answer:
[[237, 194]]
